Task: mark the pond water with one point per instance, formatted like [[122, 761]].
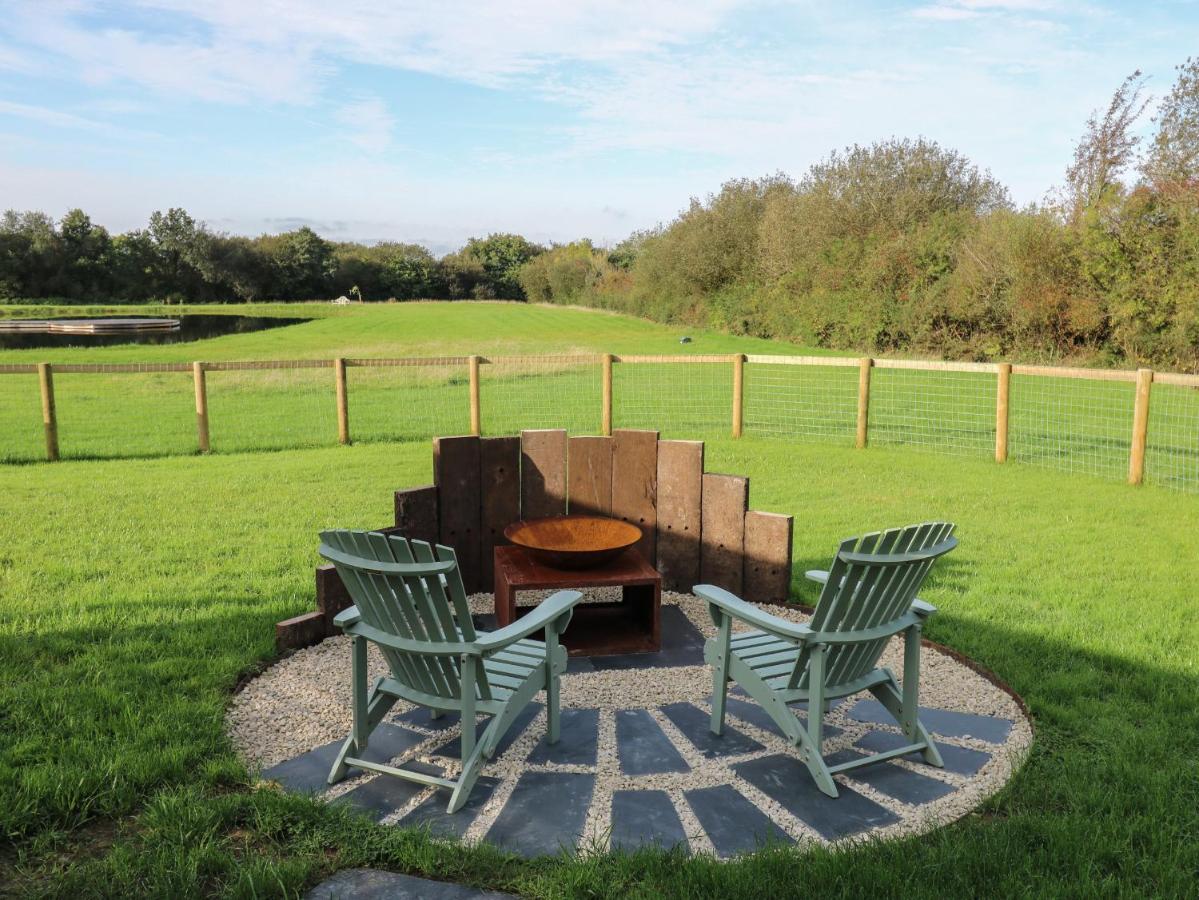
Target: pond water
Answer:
[[191, 328]]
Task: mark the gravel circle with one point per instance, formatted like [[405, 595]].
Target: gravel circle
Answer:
[[303, 702]]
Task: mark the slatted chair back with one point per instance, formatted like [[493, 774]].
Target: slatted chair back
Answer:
[[872, 582], [418, 606]]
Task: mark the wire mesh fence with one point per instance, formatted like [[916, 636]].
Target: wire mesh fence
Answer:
[[21, 438], [1069, 419], [1172, 447], [691, 399], [541, 392], [263, 408], [1074, 424], [406, 402], [948, 410], [124, 414], [815, 401]]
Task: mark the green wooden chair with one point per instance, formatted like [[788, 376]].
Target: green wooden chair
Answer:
[[869, 596], [409, 601]]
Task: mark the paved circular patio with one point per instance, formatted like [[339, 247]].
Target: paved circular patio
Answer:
[[636, 763]]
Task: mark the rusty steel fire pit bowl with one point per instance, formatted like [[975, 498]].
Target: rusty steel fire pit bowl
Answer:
[[573, 542]]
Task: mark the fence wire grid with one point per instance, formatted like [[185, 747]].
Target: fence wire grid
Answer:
[[1073, 421], [953, 412], [271, 409], [405, 403], [1072, 424], [21, 438], [809, 401], [518, 392], [1172, 447], [692, 399]]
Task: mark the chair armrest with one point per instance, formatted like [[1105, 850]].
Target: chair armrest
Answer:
[[820, 576], [922, 609], [546, 612], [750, 614], [348, 616]]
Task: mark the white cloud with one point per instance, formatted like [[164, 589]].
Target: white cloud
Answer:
[[366, 123]]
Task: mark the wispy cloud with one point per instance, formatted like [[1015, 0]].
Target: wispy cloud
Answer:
[[366, 123]]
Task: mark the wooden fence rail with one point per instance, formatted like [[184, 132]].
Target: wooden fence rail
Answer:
[[473, 368]]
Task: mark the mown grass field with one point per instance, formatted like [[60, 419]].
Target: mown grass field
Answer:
[[134, 594], [1070, 424]]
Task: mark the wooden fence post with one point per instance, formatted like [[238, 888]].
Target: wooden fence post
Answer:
[[201, 406], [738, 393], [864, 366], [476, 412], [343, 401], [606, 415], [49, 414], [1002, 393], [1140, 427]]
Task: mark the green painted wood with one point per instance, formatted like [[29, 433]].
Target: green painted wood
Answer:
[[411, 603], [868, 597]]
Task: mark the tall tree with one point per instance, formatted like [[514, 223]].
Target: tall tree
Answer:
[[1173, 160], [1107, 147]]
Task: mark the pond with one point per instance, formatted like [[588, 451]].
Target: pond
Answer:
[[21, 334]]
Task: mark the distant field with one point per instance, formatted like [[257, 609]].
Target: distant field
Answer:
[[1069, 424]]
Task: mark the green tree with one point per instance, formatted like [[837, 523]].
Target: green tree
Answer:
[[303, 265], [1173, 160]]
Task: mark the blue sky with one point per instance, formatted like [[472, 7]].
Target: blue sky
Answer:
[[436, 121]]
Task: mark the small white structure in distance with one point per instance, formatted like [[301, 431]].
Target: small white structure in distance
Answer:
[[340, 301]]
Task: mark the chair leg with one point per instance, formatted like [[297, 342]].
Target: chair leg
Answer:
[[555, 662], [813, 754], [720, 673], [913, 728], [355, 744], [888, 694]]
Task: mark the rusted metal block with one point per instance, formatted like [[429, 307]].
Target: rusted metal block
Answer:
[[680, 490], [723, 508], [635, 484], [300, 631], [589, 476], [542, 473], [456, 471], [767, 570], [499, 460], [416, 513]]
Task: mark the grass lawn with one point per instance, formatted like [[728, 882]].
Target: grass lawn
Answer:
[[135, 594]]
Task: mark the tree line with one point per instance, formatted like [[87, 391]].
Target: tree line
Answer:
[[900, 246], [177, 259], [906, 246]]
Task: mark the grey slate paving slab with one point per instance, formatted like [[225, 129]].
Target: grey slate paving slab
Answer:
[[945, 722], [682, 645], [307, 773], [787, 781], [959, 760], [372, 884], [694, 723], [894, 781], [733, 823], [754, 714], [519, 724], [546, 812], [642, 747], [645, 818], [431, 812], [384, 794], [578, 740]]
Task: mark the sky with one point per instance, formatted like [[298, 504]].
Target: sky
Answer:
[[558, 119]]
